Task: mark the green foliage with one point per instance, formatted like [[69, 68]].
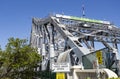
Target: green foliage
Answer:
[[18, 60]]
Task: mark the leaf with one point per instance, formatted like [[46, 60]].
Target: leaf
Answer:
[[17, 59]]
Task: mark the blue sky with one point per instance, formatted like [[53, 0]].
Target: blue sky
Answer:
[[16, 15]]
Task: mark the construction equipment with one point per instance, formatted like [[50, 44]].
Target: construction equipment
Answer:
[[64, 41]]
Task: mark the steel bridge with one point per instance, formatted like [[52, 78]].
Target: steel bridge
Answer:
[[61, 38]]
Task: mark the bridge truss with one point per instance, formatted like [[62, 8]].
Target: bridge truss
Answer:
[[60, 38]]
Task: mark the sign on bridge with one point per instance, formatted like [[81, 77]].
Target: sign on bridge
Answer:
[[60, 67]]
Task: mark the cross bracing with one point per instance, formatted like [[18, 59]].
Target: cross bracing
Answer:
[[57, 34]]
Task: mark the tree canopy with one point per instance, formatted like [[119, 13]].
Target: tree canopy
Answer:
[[18, 60]]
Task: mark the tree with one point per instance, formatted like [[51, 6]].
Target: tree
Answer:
[[18, 60]]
